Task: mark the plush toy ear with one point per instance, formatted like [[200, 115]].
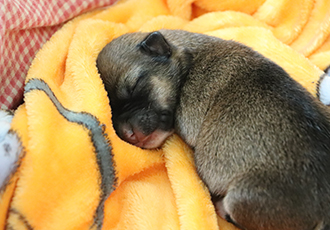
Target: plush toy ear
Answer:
[[156, 45]]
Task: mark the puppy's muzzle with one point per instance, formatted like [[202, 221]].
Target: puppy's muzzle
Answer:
[[146, 129]]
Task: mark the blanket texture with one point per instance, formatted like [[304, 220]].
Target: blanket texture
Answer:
[[75, 173]]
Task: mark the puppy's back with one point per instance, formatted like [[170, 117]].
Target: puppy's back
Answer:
[[253, 128]]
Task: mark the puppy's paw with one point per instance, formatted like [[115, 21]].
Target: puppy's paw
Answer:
[[10, 147], [324, 88]]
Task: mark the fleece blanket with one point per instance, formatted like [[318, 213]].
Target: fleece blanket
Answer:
[[75, 173]]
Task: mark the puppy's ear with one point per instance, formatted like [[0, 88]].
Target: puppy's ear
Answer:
[[156, 45]]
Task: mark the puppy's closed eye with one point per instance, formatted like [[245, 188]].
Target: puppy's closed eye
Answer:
[[139, 83], [127, 90]]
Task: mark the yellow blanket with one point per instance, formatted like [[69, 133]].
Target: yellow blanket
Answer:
[[75, 173]]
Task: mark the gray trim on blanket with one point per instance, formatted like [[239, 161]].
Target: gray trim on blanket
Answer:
[[98, 137]]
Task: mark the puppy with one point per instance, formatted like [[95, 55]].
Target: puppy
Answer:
[[261, 142]]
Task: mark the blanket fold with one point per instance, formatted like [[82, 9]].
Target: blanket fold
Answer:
[[75, 173]]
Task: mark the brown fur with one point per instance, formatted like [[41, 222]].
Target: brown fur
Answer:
[[261, 141]]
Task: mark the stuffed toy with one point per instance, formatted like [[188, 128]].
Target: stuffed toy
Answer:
[[69, 169]]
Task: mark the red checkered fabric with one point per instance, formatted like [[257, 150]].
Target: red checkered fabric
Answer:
[[24, 27]]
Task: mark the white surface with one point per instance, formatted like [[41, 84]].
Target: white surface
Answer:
[[9, 147], [324, 90]]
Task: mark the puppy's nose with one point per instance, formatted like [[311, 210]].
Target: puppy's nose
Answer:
[[133, 136], [129, 135]]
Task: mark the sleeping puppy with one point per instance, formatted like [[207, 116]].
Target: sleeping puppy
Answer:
[[261, 142]]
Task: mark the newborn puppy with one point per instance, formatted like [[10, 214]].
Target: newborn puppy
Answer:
[[261, 142]]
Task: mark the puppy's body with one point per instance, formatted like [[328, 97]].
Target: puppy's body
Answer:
[[261, 142]]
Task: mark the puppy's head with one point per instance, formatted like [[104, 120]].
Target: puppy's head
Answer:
[[142, 74]]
